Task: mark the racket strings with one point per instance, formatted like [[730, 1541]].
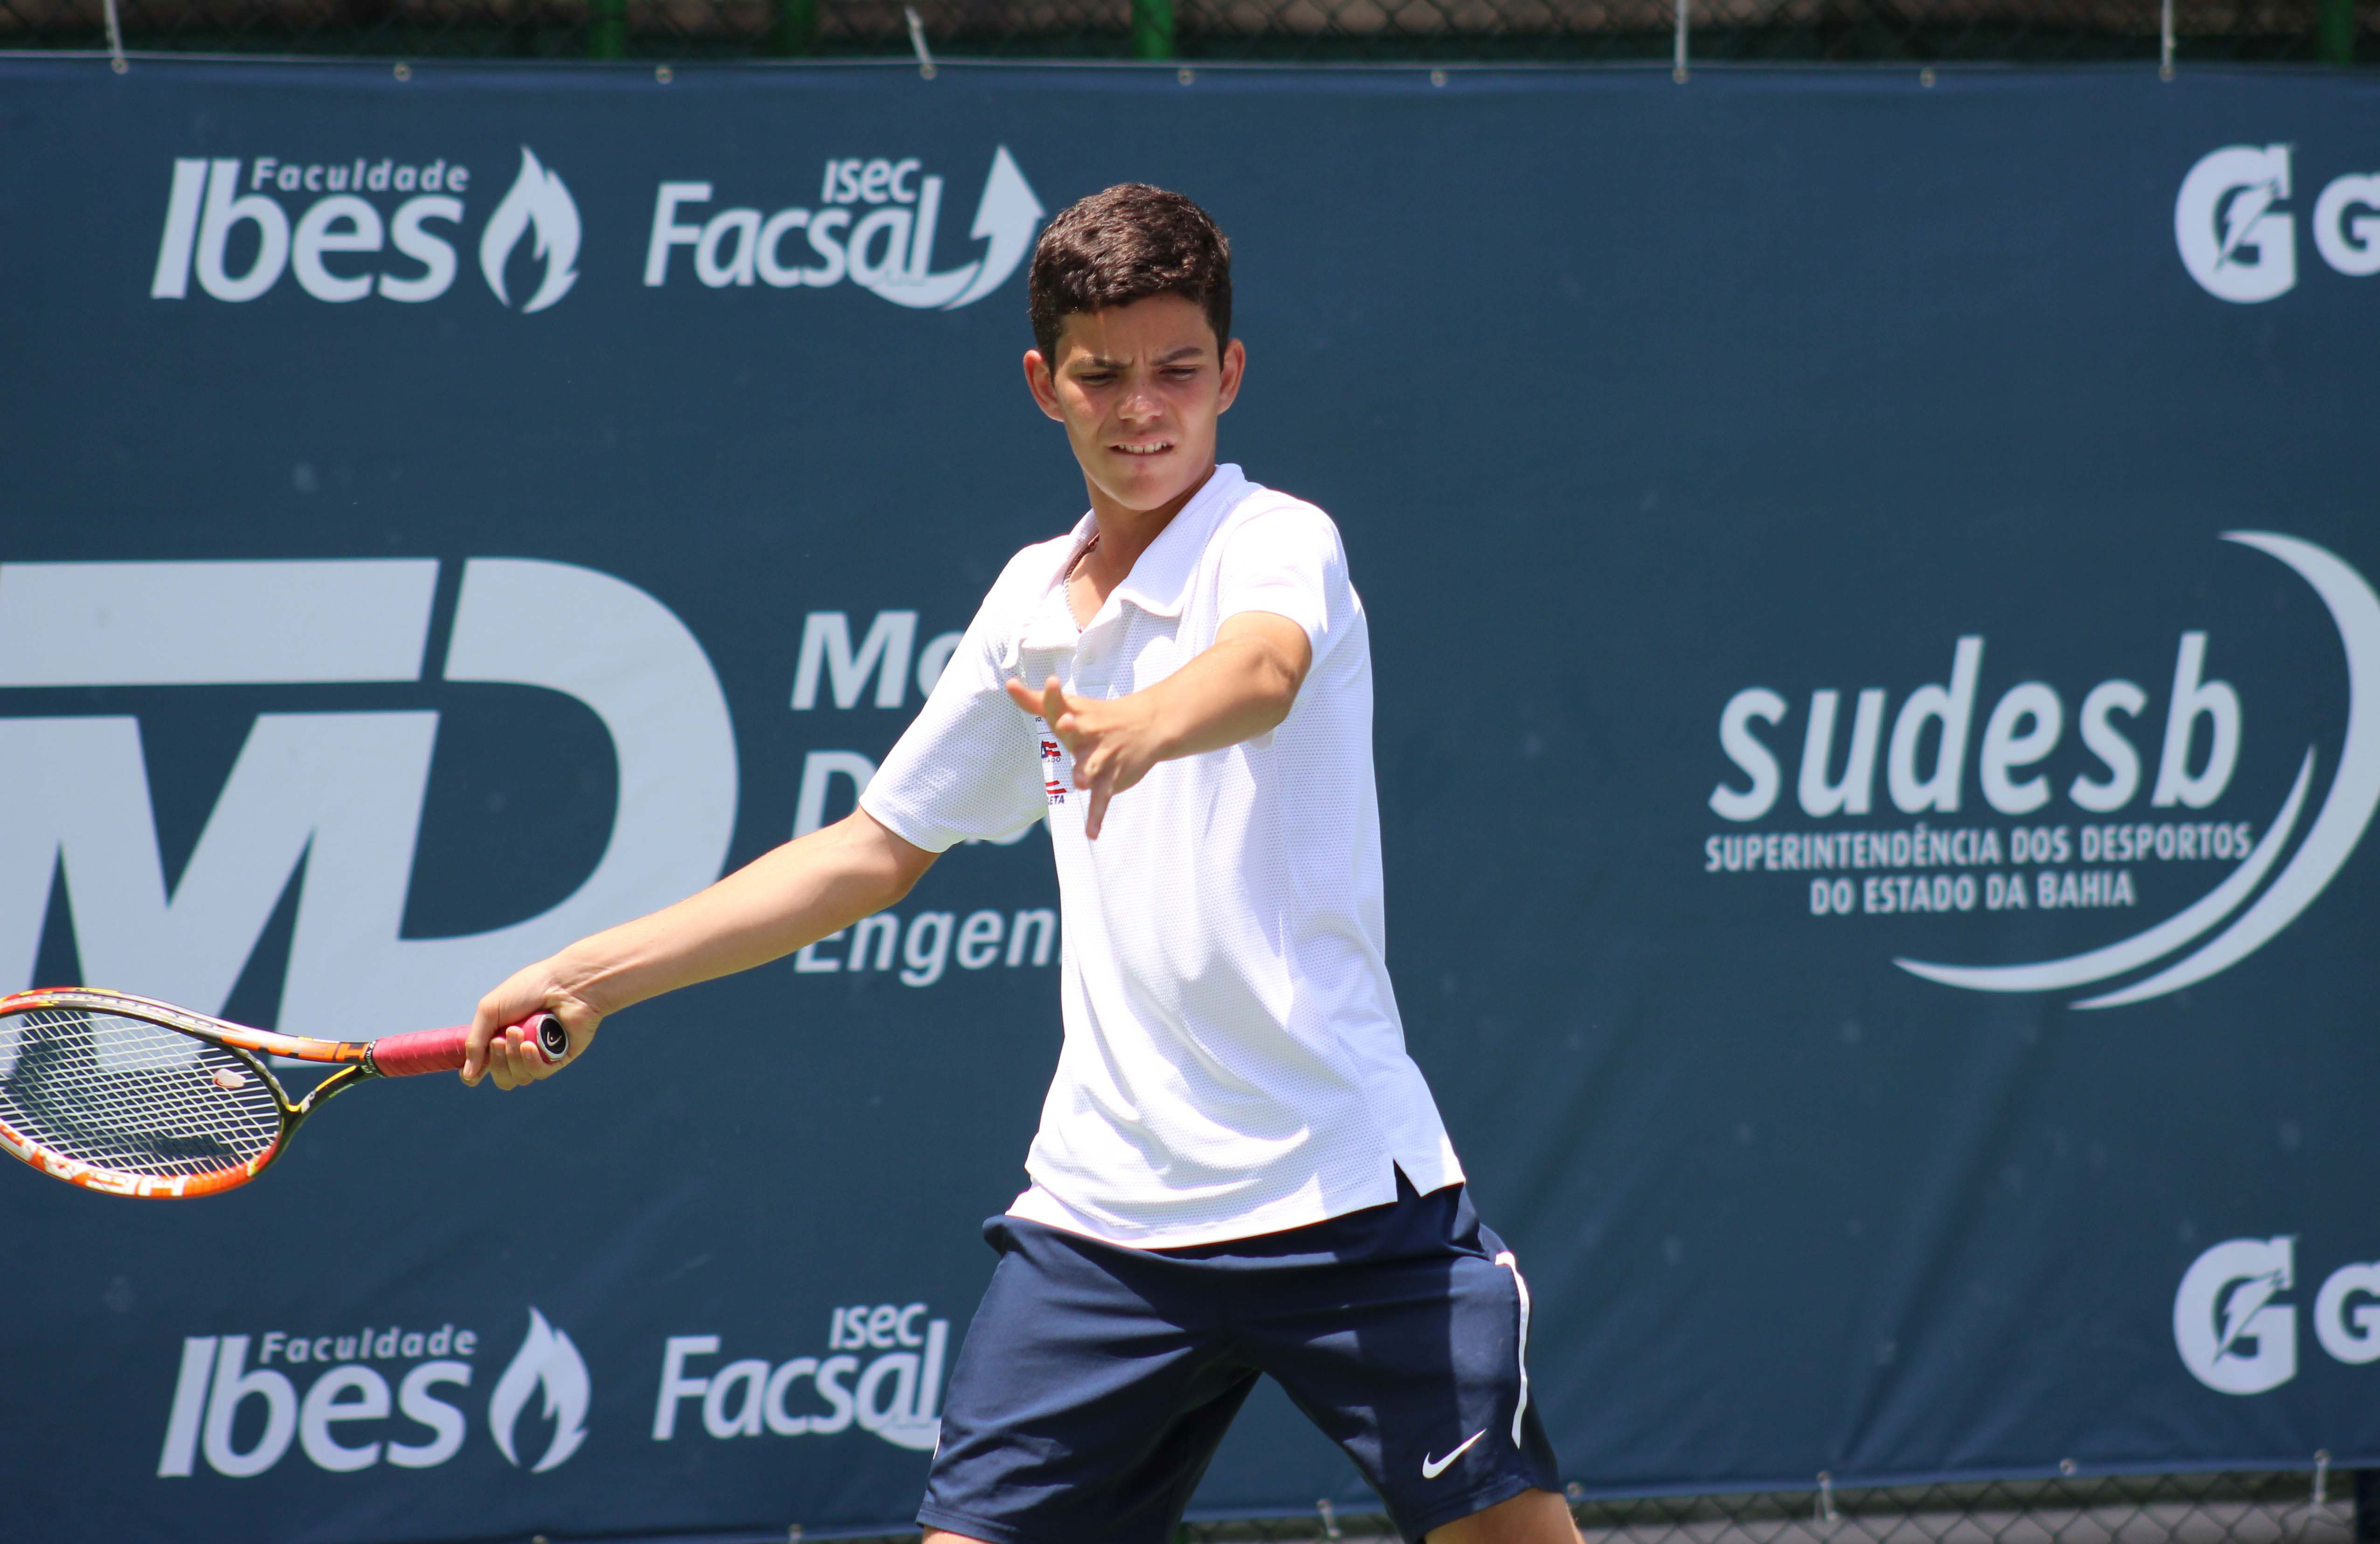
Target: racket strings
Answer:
[[125, 1094]]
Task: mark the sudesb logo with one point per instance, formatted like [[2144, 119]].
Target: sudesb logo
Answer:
[[351, 1398], [1954, 866], [334, 247]]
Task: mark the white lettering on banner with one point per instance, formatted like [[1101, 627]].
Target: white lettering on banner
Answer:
[[350, 1399], [332, 244], [826, 645], [930, 940], [2238, 240], [2199, 754], [893, 1396], [2346, 225], [342, 790], [2347, 1314], [888, 251]]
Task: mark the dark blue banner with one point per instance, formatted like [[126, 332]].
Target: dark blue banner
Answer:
[[1878, 689]]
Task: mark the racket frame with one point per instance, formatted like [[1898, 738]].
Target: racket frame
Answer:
[[353, 1059]]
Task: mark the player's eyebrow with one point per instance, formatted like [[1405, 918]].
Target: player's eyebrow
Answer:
[[1101, 362]]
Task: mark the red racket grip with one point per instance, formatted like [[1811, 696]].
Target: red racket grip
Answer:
[[410, 1056]]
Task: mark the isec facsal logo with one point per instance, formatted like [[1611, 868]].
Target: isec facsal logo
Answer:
[[874, 224], [2235, 226], [361, 227], [2236, 1331], [2151, 803], [357, 1398], [882, 1373]]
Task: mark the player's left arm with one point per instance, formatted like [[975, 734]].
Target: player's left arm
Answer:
[[1242, 686]]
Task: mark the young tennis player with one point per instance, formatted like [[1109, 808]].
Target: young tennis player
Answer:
[[1239, 1170]]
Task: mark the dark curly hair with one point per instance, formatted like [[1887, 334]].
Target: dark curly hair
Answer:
[[1127, 243]]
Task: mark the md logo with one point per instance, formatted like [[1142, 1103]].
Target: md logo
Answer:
[[2238, 1333], [2232, 224], [339, 793], [228, 226]]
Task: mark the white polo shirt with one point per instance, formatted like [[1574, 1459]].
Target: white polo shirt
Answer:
[[1233, 1064]]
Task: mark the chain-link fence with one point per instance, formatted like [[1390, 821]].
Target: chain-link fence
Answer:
[[2313, 1506], [1407, 31]]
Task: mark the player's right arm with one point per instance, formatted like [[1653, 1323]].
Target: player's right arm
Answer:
[[801, 892]]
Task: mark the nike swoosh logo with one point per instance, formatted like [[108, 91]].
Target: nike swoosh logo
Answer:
[[1433, 1468]]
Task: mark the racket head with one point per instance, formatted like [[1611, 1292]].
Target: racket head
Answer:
[[131, 1097]]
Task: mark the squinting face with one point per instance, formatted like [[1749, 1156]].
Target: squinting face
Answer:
[[1139, 388]]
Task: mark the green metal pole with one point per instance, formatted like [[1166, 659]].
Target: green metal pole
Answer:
[[1152, 29], [2335, 40], [607, 28], [792, 26]]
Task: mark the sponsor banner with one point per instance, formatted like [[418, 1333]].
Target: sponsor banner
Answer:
[[1879, 730]]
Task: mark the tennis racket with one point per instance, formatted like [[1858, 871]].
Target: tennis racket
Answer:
[[138, 1098]]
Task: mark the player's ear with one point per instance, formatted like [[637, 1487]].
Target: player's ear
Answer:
[[1235, 364], [1037, 380]]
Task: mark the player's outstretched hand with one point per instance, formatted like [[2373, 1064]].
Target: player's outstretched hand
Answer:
[[1114, 741], [507, 1054]]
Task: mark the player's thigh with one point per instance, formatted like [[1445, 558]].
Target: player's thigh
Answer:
[[1414, 1366], [1082, 1405], [1530, 1518]]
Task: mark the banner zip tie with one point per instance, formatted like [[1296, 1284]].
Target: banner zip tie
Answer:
[[918, 42]]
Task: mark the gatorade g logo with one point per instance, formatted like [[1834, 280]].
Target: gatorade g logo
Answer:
[[2236, 1327], [2232, 1335], [2233, 239], [2232, 224]]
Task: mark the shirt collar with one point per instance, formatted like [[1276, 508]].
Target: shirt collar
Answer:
[[1159, 575], [1162, 573]]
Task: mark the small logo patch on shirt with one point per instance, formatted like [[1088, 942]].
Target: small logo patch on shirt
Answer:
[[1052, 783]]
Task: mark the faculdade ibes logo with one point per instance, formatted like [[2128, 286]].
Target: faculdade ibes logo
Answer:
[[372, 1394], [343, 245], [2264, 876]]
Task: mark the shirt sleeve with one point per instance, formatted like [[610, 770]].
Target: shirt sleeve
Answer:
[[1288, 561], [966, 768]]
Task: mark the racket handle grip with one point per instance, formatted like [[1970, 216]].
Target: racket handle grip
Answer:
[[410, 1056]]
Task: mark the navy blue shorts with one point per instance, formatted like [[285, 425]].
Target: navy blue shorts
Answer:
[[1095, 1381]]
